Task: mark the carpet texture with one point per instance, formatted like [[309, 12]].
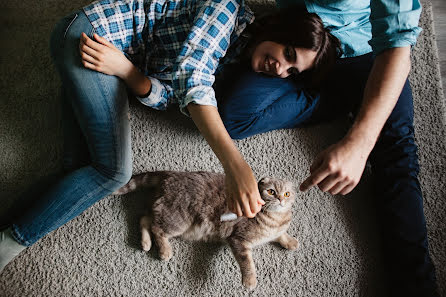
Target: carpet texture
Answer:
[[98, 253]]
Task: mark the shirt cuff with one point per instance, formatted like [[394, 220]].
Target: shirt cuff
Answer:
[[382, 43], [201, 95], [157, 97]]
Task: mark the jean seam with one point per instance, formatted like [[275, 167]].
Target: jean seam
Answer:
[[16, 235], [69, 25], [76, 206], [112, 114]]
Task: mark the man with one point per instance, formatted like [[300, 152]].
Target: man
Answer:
[[370, 80]]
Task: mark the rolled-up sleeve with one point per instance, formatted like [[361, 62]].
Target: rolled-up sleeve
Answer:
[[159, 95], [206, 43], [394, 23]]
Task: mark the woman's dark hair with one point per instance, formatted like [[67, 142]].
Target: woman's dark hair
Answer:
[[298, 28]]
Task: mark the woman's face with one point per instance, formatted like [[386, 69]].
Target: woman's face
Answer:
[[279, 60]]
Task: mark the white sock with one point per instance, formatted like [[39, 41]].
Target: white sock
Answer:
[[9, 248]]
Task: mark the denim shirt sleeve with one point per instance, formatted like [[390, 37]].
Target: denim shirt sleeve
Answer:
[[205, 45], [394, 23]]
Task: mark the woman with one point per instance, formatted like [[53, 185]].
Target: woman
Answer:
[[164, 53]]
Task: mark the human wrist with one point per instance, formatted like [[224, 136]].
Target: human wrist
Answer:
[[231, 161], [362, 139], [139, 84], [128, 71]]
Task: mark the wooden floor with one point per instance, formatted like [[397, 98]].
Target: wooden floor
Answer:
[[439, 8]]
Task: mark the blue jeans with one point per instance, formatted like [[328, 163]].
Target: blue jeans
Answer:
[[97, 148], [252, 103]]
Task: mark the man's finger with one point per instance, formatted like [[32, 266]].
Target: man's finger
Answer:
[[336, 189], [315, 178], [328, 183], [348, 189]]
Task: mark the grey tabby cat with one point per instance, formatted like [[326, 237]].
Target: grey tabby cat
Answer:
[[189, 205]]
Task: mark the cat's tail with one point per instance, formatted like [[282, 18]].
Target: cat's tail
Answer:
[[143, 180]]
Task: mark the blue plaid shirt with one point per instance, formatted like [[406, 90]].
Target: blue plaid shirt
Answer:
[[177, 44]]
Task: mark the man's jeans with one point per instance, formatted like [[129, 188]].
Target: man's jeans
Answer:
[[97, 149], [252, 103]]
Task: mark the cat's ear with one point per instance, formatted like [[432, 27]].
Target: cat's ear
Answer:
[[291, 185], [264, 180]]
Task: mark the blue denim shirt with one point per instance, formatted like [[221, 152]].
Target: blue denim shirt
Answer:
[[363, 26]]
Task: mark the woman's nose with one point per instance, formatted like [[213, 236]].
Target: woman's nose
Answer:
[[281, 69]]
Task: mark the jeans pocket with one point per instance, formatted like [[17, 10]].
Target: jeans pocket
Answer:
[[57, 39], [72, 19]]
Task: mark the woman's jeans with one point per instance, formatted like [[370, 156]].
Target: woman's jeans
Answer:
[[252, 103], [97, 148]]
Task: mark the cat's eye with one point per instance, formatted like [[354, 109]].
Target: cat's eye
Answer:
[[287, 194], [271, 192]]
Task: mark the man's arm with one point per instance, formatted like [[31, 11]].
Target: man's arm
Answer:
[[339, 168]]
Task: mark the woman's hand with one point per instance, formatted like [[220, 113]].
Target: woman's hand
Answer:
[[339, 168], [242, 193], [103, 56]]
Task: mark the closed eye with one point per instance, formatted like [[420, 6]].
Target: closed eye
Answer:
[[293, 70], [290, 55]]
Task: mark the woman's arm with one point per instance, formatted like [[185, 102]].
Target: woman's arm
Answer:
[[241, 187], [242, 193], [101, 55]]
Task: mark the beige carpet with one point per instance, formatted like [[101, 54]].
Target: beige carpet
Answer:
[[97, 254]]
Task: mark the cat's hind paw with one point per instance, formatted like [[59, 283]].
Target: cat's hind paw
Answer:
[[146, 244], [292, 244], [250, 282]]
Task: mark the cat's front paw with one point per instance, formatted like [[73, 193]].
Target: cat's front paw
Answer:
[[166, 253], [249, 281], [292, 244]]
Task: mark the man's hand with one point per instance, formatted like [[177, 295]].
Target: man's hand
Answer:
[[103, 56], [338, 168]]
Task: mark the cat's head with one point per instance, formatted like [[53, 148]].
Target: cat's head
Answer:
[[278, 194]]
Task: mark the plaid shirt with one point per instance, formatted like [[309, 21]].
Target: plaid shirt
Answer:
[[177, 44]]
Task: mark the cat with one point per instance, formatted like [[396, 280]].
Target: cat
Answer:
[[189, 205]]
